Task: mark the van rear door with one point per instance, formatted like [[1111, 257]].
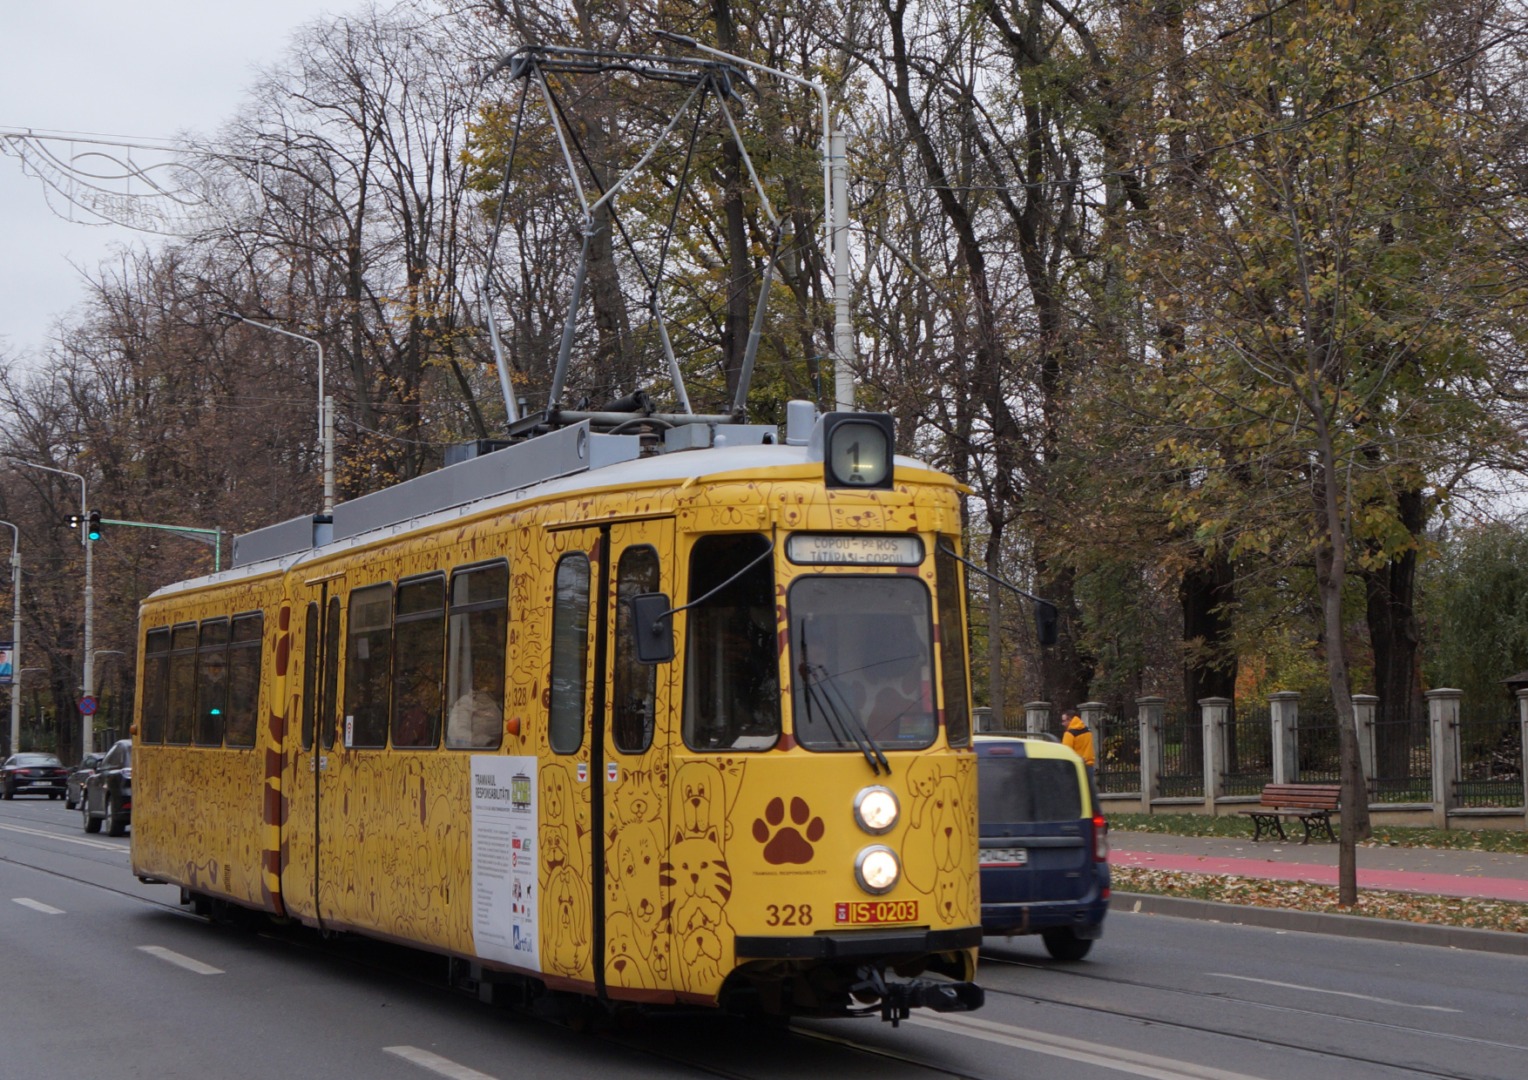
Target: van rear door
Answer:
[[1033, 824]]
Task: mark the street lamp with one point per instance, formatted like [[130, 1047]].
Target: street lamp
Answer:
[[325, 404], [15, 635], [835, 213], [86, 724]]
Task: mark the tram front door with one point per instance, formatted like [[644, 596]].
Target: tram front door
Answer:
[[605, 788]]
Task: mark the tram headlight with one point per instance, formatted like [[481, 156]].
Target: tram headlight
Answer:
[[876, 810], [876, 869]]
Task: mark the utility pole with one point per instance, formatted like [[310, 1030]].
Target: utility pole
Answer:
[[15, 743], [86, 723]]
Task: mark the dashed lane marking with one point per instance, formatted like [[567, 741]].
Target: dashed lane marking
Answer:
[[1337, 993], [80, 840], [170, 956], [435, 1063], [37, 905]]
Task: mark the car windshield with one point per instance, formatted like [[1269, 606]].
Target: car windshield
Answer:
[[862, 663], [35, 759]]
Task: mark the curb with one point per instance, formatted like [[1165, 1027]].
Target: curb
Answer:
[[1320, 922]]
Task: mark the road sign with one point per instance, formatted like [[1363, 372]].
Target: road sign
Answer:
[[88, 705]]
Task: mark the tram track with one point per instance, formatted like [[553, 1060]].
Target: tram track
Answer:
[[1155, 1018]]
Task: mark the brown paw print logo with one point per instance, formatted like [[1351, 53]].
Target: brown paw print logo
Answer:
[[788, 843]]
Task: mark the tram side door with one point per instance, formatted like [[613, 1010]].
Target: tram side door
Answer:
[[308, 740], [640, 699], [604, 791]]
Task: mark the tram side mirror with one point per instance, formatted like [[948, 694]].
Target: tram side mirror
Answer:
[[651, 628], [1046, 618]]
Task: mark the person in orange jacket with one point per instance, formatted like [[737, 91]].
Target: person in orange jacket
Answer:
[[1080, 739]]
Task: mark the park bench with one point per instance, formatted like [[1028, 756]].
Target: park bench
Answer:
[[1313, 804]]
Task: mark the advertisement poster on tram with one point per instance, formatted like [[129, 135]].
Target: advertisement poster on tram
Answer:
[[504, 844]]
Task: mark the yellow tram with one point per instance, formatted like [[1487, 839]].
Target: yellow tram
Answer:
[[649, 722]]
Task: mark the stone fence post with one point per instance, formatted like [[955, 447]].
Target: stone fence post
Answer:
[[1364, 708], [1284, 721], [1443, 715], [1149, 711], [1036, 717], [1216, 714]]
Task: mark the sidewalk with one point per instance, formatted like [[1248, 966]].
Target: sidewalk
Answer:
[[1476, 874]]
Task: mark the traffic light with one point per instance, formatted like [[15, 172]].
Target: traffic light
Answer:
[[95, 525], [75, 520]]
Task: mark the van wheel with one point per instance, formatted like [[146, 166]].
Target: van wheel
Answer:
[[1062, 944]]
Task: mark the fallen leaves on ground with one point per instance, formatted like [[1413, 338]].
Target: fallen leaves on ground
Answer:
[[1305, 896]]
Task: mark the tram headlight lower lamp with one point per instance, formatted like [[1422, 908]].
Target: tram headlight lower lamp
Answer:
[[877, 870], [857, 450], [876, 809]]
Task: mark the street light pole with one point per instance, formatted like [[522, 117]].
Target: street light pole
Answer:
[[86, 724], [325, 404], [15, 743]]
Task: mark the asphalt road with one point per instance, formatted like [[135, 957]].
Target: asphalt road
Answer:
[[106, 976]]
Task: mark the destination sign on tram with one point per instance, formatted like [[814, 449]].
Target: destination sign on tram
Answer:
[[853, 549]]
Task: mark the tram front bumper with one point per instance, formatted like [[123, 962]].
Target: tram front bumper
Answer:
[[843, 945]]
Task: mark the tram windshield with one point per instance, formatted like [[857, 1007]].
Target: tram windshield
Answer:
[[862, 663]]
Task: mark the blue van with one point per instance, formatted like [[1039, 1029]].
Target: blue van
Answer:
[[1044, 844]]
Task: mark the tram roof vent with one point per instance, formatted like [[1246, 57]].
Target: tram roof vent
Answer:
[[283, 538], [563, 452]]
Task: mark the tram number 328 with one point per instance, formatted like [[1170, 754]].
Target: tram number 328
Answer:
[[788, 915]]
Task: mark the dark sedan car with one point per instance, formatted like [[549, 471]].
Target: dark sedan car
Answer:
[[33, 774], [74, 787], [109, 792]]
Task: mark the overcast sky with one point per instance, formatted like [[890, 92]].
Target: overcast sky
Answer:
[[149, 68]]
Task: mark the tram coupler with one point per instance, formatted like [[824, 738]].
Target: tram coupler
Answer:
[[898, 999]]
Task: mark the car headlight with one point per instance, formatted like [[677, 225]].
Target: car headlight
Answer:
[[876, 810], [876, 869]]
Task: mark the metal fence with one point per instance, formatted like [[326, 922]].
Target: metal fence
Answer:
[[1319, 745], [1490, 758], [1118, 751], [1402, 764], [1180, 772], [1249, 750]]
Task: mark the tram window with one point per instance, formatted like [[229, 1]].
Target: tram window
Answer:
[[327, 704], [479, 625], [732, 659], [243, 679], [309, 674], [182, 697], [368, 666], [952, 647], [635, 683], [211, 683], [156, 684], [570, 653], [862, 646], [418, 639]]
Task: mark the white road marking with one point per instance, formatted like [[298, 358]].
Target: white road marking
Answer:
[[435, 1063], [37, 905], [172, 957], [1337, 993], [1090, 1053], [67, 839]]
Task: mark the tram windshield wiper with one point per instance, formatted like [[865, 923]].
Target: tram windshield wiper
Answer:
[[822, 692]]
